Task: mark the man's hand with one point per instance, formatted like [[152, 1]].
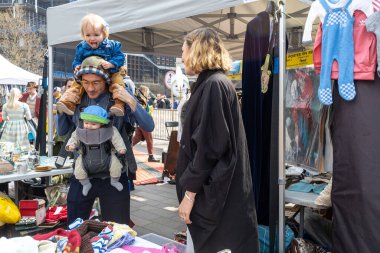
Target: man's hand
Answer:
[[107, 65], [122, 151], [122, 94]]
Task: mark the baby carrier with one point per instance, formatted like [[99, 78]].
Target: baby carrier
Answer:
[[128, 160], [96, 150]]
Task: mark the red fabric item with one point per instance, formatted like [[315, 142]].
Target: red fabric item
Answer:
[[364, 48], [52, 216], [74, 239], [25, 96]]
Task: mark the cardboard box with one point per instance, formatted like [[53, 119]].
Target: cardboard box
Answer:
[[34, 208]]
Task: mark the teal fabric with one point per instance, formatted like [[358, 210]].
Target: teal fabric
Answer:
[[264, 238], [301, 187], [307, 187]]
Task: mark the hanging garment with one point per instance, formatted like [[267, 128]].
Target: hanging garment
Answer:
[[364, 50], [317, 10], [337, 44], [373, 25], [356, 180], [257, 110], [376, 5]]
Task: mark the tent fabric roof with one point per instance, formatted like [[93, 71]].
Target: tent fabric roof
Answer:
[[12, 74], [158, 26]]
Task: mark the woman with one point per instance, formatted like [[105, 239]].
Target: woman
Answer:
[[14, 112], [214, 184], [140, 134], [32, 99]]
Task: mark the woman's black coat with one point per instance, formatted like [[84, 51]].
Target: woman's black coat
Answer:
[[213, 162]]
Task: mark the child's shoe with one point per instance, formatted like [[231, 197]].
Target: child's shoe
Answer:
[[118, 108]]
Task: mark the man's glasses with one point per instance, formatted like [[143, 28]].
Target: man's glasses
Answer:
[[94, 83]]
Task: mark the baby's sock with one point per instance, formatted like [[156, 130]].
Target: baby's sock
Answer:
[[86, 186], [115, 183], [347, 91]]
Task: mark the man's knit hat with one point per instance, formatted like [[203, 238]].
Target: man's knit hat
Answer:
[[92, 65], [95, 114]]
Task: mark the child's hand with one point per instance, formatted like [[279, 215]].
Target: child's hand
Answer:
[[71, 147], [107, 65], [76, 69], [122, 151]]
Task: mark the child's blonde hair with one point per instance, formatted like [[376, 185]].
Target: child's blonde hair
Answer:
[[94, 21], [14, 96]]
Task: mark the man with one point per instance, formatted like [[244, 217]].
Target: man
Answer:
[[140, 134], [56, 94], [127, 79], [32, 99], [115, 205]]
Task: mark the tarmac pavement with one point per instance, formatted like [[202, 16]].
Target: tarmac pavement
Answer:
[[154, 207]]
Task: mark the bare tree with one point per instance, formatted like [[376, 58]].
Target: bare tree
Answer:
[[18, 43]]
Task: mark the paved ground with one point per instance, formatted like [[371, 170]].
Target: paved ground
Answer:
[[154, 207]]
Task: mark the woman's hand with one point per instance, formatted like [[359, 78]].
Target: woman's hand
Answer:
[[122, 94], [186, 206]]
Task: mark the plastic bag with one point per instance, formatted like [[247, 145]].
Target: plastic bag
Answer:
[[9, 212]]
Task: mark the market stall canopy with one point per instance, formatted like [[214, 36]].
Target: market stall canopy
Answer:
[[158, 26], [12, 74]]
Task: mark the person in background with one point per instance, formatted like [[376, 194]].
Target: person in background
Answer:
[[56, 94], [213, 175], [114, 204], [152, 100], [68, 84], [59, 140], [129, 84], [141, 134], [168, 105], [160, 101], [14, 115], [32, 99]]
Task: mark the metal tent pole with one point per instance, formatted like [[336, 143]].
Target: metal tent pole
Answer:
[[281, 164], [50, 104]]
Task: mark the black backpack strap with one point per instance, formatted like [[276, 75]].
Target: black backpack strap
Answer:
[[129, 156], [62, 155]]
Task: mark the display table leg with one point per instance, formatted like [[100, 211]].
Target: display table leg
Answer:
[[16, 183], [302, 216]]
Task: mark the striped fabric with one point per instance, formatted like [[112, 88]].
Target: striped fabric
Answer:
[[93, 70], [15, 130], [376, 5], [99, 242]]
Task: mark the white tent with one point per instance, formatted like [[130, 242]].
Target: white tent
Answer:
[[158, 26], [12, 74]]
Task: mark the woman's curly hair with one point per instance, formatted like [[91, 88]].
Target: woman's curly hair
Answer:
[[206, 51]]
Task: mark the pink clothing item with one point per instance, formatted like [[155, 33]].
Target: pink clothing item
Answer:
[[364, 47], [135, 249]]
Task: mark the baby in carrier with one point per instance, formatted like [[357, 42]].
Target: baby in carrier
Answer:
[[95, 141]]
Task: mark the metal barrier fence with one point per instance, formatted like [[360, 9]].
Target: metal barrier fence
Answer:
[[160, 116]]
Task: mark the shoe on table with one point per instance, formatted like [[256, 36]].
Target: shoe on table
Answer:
[[152, 159]]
